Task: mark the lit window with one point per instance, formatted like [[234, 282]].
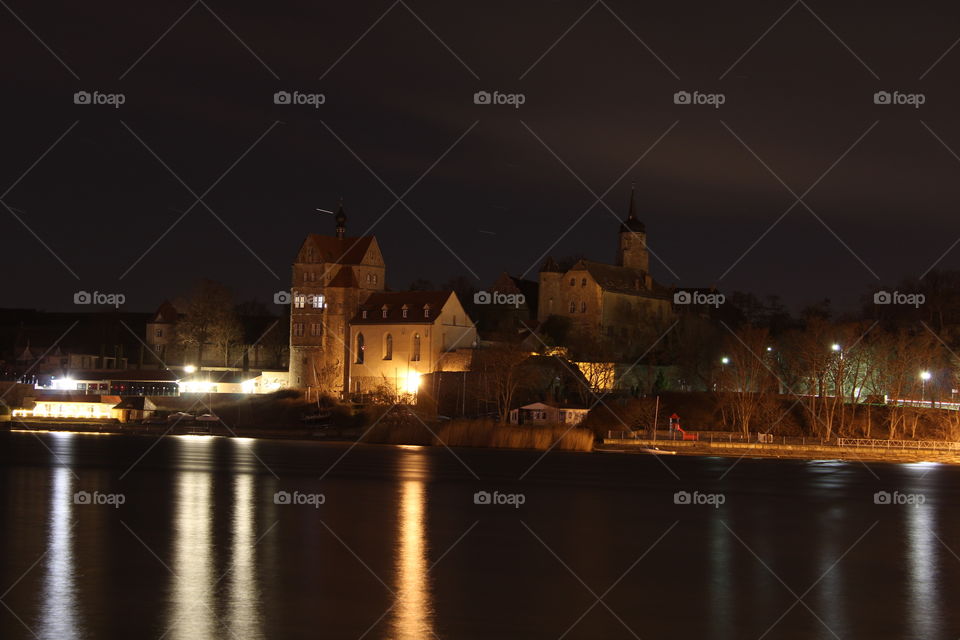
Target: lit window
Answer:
[[363, 314], [317, 301], [299, 301], [404, 312], [384, 312], [426, 311]]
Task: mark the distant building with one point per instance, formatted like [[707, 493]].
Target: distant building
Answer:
[[549, 413], [611, 301], [399, 336]]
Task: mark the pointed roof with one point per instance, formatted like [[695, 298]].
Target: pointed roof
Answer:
[[551, 266], [166, 314], [345, 278], [632, 224], [340, 250]]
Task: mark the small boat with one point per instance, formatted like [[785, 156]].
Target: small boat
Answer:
[[659, 452]]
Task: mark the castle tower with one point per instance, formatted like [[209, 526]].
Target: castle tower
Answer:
[[341, 219], [550, 296], [632, 247]]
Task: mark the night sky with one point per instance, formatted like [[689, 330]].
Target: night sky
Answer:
[[488, 187]]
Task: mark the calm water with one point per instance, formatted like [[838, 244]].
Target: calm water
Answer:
[[205, 545]]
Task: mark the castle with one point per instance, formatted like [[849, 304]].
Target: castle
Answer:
[[349, 335]]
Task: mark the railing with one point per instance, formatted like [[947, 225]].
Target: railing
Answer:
[[897, 444], [764, 438]]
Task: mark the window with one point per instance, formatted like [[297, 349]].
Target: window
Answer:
[[374, 276], [384, 312], [317, 301], [309, 254], [583, 307], [298, 328], [573, 282], [363, 314], [315, 329], [159, 333], [583, 282], [415, 355], [360, 348], [404, 312], [573, 307], [299, 301], [388, 347], [426, 311]]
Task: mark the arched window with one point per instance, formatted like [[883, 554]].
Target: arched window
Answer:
[[583, 307], [360, 348], [415, 354], [573, 282], [583, 282], [573, 307], [388, 347]]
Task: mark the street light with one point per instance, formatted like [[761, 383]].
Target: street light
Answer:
[[724, 360], [190, 369], [924, 376]]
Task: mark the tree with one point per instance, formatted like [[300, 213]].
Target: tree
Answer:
[[209, 319], [502, 367], [746, 382]]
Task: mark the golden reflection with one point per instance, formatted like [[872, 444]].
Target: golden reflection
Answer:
[[59, 617], [413, 609], [243, 610], [191, 608], [922, 550]]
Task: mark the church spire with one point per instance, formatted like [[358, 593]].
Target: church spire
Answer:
[[341, 219], [632, 223]]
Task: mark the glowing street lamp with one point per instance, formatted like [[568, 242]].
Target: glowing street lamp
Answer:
[[190, 369], [924, 376], [724, 360]]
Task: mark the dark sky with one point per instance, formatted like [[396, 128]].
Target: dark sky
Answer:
[[800, 98]]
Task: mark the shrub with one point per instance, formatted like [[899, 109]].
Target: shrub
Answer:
[[481, 433]]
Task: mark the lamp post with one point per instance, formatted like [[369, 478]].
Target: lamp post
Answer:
[[924, 376]]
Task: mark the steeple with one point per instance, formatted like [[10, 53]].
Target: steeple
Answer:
[[341, 219], [632, 244], [632, 224]]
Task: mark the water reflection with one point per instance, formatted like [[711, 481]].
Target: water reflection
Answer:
[[244, 618], [413, 609], [59, 615], [922, 547], [191, 614]]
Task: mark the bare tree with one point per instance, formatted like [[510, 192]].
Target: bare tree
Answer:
[[209, 319]]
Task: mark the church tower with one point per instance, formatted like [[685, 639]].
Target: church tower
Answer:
[[632, 248]]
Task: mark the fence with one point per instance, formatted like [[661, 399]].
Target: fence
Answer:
[[766, 438]]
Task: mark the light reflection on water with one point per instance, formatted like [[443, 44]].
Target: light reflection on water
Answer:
[[191, 604], [413, 608], [922, 548], [59, 616], [244, 594]]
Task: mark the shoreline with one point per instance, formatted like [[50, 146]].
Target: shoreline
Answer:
[[607, 445], [781, 451]]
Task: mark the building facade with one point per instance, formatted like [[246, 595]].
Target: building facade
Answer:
[[613, 301], [397, 337]]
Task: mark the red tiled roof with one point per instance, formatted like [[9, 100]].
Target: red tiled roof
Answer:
[[340, 250]]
